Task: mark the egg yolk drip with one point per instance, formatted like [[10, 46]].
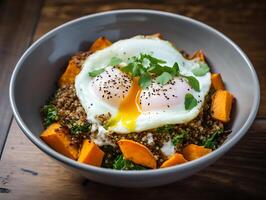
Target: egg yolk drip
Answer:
[[129, 108]]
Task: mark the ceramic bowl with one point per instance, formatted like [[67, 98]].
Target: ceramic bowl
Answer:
[[35, 76]]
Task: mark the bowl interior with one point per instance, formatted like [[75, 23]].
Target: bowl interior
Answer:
[[38, 71]]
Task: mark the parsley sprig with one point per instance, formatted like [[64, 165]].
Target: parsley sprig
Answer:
[[50, 114]]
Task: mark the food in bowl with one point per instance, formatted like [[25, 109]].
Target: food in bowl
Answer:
[[137, 104]]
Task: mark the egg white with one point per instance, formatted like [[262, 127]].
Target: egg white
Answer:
[[128, 48]]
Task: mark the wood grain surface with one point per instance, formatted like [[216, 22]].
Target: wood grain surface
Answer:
[[16, 31], [27, 173]]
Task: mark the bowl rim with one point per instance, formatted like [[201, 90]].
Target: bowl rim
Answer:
[[212, 156]]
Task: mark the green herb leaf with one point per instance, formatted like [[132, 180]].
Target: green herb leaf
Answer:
[[193, 82], [164, 78], [180, 137], [176, 69], [77, 129], [115, 61], [168, 129], [122, 164], [202, 70], [50, 114], [212, 142], [96, 72], [145, 81], [190, 101], [151, 59]]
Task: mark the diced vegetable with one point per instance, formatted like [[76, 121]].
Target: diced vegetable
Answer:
[[198, 54], [137, 153], [70, 74], [217, 82], [155, 35], [175, 159], [221, 105], [57, 137], [90, 154], [192, 152], [99, 44]]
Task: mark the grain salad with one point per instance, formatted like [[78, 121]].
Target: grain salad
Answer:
[[173, 133]]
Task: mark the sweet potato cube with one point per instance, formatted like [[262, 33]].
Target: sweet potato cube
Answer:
[[57, 137], [221, 105], [70, 74], [137, 153], [99, 44], [198, 54], [155, 35], [91, 154], [175, 159], [192, 152], [217, 82]]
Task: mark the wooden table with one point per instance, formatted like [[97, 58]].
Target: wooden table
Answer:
[[27, 173]]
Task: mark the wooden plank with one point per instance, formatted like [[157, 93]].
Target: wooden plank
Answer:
[[27, 173], [15, 36], [242, 21]]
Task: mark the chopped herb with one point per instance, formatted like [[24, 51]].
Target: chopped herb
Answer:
[[168, 129], [202, 70], [96, 72], [122, 164], [180, 137], [193, 82], [212, 142], [77, 129], [50, 114], [115, 61], [146, 66], [145, 80], [164, 78], [109, 156], [190, 101]]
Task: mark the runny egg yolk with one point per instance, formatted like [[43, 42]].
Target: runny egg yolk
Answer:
[[129, 108]]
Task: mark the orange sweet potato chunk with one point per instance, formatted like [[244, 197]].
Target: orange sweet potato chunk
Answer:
[[198, 54], [217, 82], [175, 159], [99, 44], [91, 154], [57, 137], [137, 153], [192, 152], [70, 74], [221, 105], [155, 35]]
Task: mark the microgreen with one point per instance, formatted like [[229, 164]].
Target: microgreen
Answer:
[[201, 70], [96, 72], [145, 80], [164, 78], [193, 82], [147, 67], [190, 101], [115, 61]]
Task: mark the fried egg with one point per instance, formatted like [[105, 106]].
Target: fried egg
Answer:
[[134, 109]]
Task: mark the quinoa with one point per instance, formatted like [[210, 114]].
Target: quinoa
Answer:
[[72, 115]]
